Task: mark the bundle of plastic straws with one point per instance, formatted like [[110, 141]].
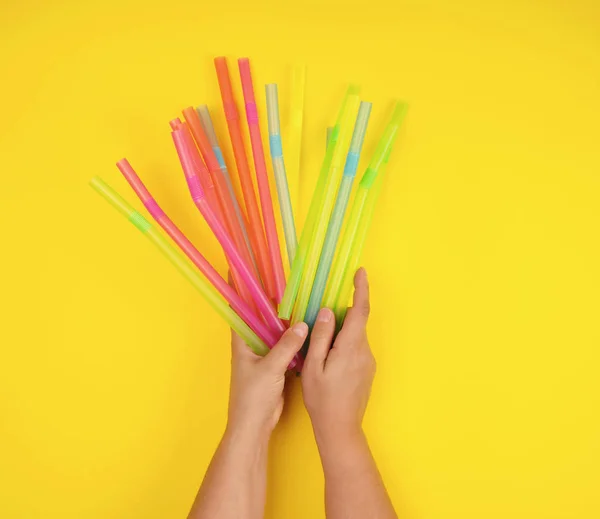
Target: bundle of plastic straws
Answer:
[[261, 303]]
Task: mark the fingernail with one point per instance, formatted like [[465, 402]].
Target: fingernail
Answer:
[[324, 315], [300, 329]]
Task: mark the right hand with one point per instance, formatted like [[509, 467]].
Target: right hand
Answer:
[[336, 382]]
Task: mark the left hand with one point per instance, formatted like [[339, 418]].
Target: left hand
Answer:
[[256, 394]]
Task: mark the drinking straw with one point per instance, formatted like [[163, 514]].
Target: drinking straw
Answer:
[[340, 275], [228, 211], [206, 289], [260, 166], [245, 310], [329, 130], [337, 216], [201, 169], [294, 141], [295, 276], [209, 129], [255, 229], [213, 201], [283, 192], [341, 305], [260, 298], [327, 200]]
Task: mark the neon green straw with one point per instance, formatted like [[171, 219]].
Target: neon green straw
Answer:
[[341, 277], [341, 305], [283, 191], [206, 290], [338, 213], [323, 216], [293, 283]]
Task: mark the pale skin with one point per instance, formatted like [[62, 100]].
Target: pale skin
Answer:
[[336, 384]]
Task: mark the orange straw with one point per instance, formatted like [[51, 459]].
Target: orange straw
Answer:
[[257, 236], [262, 178]]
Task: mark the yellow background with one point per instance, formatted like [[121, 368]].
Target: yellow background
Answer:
[[485, 260]]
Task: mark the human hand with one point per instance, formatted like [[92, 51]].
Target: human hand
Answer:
[[336, 382], [256, 393]]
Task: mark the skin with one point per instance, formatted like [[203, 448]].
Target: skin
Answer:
[[336, 383]]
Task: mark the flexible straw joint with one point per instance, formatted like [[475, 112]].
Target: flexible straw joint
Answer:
[[139, 221], [220, 158], [231, 112], [351, 164], [368, 178], [251, 113], [195, 188], [335, 132], [275, 146], [152, 207]]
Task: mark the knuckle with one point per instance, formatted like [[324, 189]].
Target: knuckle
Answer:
[[367, 359]]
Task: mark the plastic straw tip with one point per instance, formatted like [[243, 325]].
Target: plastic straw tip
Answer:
[[175, 123], [353, 89], [96, 182], [400, 110], [123, 163]]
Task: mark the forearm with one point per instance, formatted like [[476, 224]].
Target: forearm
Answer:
[[235, 484], [353, 485]]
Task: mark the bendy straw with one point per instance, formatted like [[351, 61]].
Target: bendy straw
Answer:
[[339, 272], [283, 192], [243, 308], [209, 129], [223, 193], [294, 132], [201, 169], [315, 245], [255, 229], [341, 305], [295, 276], [206, 290], [337, 216], [263, 303], [260, 166], [213, 200]]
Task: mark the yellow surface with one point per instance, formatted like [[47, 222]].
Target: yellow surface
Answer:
[[484, 266]]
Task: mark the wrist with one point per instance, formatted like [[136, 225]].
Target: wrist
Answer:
[[337, 436], [247, 434]]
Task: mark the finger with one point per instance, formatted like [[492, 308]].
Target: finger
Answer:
[[358, 315], [282, 354], [320, 341]]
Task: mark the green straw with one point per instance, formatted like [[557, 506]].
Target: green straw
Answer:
[[293, 284], [207, 291], [342, 272], [328, 196], [338, 213]]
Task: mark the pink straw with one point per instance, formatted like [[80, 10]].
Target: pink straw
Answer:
[[260, 298], [228, 293], [262, 178], [211, 195]]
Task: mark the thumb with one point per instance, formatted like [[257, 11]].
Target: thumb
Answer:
[[282, 354]]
